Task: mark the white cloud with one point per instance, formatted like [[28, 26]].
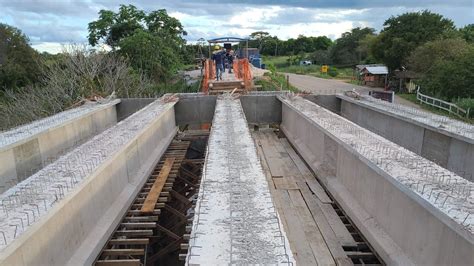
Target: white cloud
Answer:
[[49, 23], [252, 16], [50, 47]]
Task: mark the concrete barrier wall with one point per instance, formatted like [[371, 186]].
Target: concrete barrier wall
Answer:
[[451, 152], [195, 109], [74, 231], [261, 107], [330, 102], [128, 106], [400, 225], [23, 158]]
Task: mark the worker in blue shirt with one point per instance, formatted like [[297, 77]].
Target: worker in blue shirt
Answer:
[[218, 58]]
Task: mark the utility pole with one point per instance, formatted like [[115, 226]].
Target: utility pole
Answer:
[[276, 47]]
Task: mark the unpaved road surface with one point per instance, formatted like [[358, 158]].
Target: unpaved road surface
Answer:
[[331, 86]]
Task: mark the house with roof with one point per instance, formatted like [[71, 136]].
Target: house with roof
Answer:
[[373, 75]]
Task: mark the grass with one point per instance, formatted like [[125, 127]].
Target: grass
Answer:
[[412, 98], [274, 82], [282, 65]]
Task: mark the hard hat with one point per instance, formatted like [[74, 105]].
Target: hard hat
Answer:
[[217, 47]]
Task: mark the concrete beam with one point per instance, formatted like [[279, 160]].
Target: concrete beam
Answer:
[[49, 138], [74, 230], [402, 224], [452, 151]]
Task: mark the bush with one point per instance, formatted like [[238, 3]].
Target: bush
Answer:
[[467, 104], [450, 79], [77, 75], [332, 71]]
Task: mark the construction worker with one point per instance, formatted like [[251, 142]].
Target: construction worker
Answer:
[[218, 58], [230, 59]]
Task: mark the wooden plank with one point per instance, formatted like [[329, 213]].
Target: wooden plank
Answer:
[[308, 176], [123, 252], [313, 235], [134, 233], [294, 230], [295, 157], [138, 212], [141, 218], [286, 182], [344, 236], [335, 247], [127, 262], [139, 225], [129, 241], [155, 191], [284, 159], [271, 157], [317, 189]]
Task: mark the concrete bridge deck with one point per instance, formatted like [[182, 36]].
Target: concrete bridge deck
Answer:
[[341, 192]]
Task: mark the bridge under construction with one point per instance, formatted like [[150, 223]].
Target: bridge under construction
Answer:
[[243, 177]]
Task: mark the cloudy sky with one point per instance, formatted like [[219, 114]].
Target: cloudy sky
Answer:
[[51, 23]]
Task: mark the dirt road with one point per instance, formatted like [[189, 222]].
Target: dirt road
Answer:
[[331, 86]]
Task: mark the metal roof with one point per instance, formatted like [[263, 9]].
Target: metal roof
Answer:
[[377, 70], [361, 67], [226, 39]]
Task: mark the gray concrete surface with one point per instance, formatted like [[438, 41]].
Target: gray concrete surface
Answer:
[[452, 152], [330, 102], [262, 107], [235, 220], [74, 231], [259, 108], [128, 106], [400, 225], [195, 109], [23, 158]]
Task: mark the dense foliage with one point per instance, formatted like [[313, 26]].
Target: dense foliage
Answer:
[[424, 58], [451, 79], [18, 61], [271, 45], [153, 42], [402, 34], [347, 51]]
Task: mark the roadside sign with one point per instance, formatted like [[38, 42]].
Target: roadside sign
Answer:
[[324, 68]]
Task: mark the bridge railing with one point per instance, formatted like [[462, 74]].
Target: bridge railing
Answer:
[[440, 104]]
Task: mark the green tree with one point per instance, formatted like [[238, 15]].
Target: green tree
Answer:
[[321, 57], [402, 34], [152, 41], [451, 79], [424, 57], [363, 49], [19, 64], [345, 50], [467, 33]]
